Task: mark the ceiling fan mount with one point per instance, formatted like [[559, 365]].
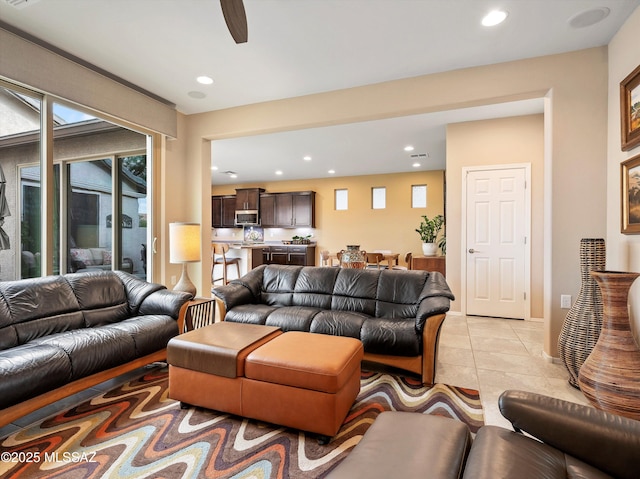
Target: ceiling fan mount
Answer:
[[236, 19]]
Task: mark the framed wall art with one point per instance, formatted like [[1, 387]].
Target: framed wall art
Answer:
[[630, 201], [630, 110]]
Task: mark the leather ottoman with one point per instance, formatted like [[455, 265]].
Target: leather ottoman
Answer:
[[302, 380]]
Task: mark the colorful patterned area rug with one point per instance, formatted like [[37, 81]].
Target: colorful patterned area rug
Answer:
[[135, 431]]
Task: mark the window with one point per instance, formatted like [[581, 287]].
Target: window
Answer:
[[342, 199], [378, 197], [98, 203], [419, 196]]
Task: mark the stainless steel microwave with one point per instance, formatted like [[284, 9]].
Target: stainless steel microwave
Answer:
[[247, 217]]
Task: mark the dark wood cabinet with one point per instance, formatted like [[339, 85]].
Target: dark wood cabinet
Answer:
[[268, 210], [248, 198], [285, 254], [430, 263], [303, 205], [223, 211], [288, 210]]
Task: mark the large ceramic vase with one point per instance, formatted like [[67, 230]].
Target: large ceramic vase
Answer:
[[583, 322], [610, 376], [352, 257]]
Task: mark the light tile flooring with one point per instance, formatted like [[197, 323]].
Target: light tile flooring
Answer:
[[488, 354], [493, 355]]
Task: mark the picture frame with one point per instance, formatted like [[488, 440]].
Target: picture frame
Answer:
[[630, 110], [630, 195]]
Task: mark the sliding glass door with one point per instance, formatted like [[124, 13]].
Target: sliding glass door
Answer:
[[99, 197]]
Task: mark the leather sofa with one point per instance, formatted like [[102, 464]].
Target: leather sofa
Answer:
[[61, 334], [551, 439], [396, 314]]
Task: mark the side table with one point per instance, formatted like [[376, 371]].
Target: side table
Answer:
[[430, 263]]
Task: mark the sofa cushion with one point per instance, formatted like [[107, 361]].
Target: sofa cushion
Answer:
[[34, 298], [29, 370], [338, 323], [399, 293], [355, 290], [250, 313], [101, 296], [93, 349], [37, 328], [292, 318], [149, 333], [498, 452], [390, 336], [82, 255], [314, 287]]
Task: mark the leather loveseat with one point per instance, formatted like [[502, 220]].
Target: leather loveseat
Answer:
[[396, 314], [562, 440], [62, 334]]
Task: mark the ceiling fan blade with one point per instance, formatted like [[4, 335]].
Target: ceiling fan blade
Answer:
[[236, 18]]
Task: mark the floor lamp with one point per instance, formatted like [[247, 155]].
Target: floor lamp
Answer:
[[184, 247]]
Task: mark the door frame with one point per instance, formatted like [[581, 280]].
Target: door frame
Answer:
[[527, 226]]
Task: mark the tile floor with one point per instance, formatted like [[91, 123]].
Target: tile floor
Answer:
[[488, 354], [493, 355]]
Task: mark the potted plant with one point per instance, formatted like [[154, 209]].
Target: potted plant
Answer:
[[428, 231]]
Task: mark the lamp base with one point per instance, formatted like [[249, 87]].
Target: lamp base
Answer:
[[185, 284]]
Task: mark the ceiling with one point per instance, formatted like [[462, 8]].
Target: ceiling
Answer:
[[309, 46]]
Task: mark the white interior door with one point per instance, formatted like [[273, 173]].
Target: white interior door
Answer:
[[496, 242]]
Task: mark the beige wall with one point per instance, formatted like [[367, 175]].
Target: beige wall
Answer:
[[496, 142], [623, 251], [391, 228], [574, 86]]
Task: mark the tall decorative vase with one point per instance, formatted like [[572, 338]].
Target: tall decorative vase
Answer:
[[352, 257], [582, 325], [610, 376]]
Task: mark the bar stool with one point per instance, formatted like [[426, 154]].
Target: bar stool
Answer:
[[219, 257]]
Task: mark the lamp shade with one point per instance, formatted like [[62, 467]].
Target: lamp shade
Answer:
[[184, 242]]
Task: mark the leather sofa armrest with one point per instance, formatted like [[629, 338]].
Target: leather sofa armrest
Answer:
[[164, 302], [606, 441], [431, 306], [233, 294]]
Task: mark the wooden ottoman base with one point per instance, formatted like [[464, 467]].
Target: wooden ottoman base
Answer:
[[301, 380]]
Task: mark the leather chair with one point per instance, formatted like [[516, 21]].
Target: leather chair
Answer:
[[219, 257]]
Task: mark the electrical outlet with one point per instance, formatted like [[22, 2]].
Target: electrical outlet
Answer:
[[173, 280], [565, 301]]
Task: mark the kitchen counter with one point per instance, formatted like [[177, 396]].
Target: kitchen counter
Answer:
[[254, 254]]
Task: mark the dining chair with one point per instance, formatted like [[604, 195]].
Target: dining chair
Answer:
[[327, 258], [407, 259], [219, 258], [373, 260]]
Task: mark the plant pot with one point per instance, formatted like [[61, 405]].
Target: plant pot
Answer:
[[429, 249]]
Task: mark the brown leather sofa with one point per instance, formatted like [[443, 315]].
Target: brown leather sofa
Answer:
[[396, 315], [62, 334], [551, 439]]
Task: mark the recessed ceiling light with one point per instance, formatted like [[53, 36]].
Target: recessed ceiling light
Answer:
[[214, 168], [306, 158], [278, 172], [233, 175], [589, 17], [331, 172], [198, 95], [204, 80], [408, 148], [494, 18], [416, 165]]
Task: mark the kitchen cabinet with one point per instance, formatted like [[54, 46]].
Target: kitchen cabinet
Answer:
[[223, 211], [284, 254], [268, 210], [248, 198], [288, 210]]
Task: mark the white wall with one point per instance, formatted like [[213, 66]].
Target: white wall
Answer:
[[623, 251]]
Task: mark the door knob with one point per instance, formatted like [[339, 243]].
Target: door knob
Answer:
[[471, 250]]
